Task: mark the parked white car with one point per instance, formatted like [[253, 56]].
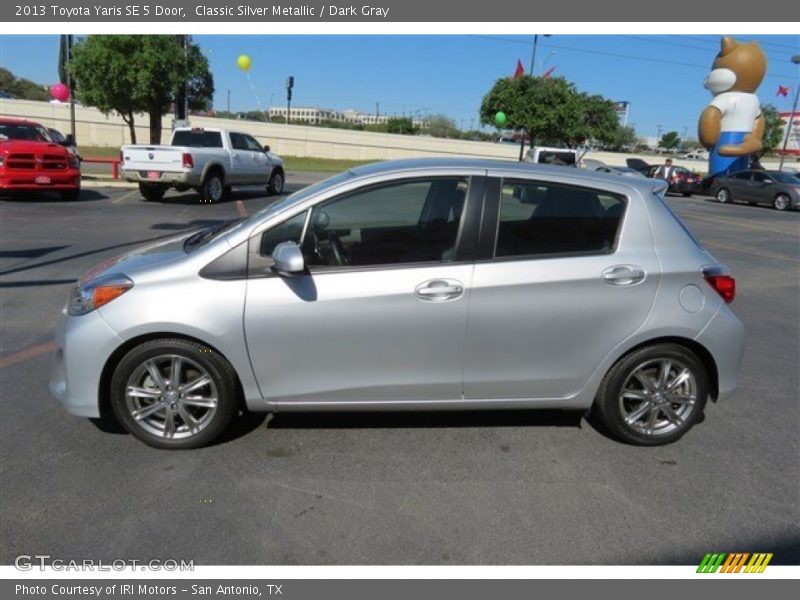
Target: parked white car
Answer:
[[567, 157], [696, 155], [210, 161]]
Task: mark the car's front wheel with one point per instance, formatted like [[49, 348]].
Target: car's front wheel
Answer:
[[174, 393], [654, 395]]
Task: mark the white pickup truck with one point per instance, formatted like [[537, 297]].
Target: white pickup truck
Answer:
[[210, 161]]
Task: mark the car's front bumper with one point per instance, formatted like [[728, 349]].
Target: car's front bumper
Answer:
[[39, 181], [83, 345]]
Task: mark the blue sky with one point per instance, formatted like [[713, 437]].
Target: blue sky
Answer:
[[660, 75]]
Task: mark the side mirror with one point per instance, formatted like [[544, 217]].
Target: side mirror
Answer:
[[69, 141], [288, 259], [266, 148]]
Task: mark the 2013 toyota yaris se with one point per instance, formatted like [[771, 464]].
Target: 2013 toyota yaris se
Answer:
[[416, 284]]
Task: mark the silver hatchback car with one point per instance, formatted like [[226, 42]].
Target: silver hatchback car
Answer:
[[418, 284]]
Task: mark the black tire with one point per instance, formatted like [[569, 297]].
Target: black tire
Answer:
[[782, 202], [195, 357], [724, 196], [687, 194], [609, 402], [213, 188], [276, 183], [152, 192], [70, 195]]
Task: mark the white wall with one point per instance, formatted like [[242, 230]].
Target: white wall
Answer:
[[96, 129]]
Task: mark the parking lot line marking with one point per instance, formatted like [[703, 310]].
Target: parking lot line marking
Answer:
[[22, 355], [123, 197], [242, 210], [753, 252]]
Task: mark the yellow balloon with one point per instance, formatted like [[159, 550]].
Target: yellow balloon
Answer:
[[243, 62]]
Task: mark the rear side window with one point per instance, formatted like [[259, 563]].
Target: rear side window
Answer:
[[540, 219], [198, 139]]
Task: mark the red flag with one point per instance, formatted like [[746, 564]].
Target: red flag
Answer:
[[548, 72], [782, 91], [519, 71]]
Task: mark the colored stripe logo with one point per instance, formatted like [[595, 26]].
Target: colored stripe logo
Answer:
[[735, 562]]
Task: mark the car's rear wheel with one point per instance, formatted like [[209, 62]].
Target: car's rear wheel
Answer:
[[724, 196], [213, 189], [174, 393], [654, 395], [782, 202], [276, 183], [687, 194], [152, 192]]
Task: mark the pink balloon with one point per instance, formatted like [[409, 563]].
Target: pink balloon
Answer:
[[60, 92]]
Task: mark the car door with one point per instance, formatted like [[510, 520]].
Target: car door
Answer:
[[242, 167], [381, 314], [761, 188], [564, 274], [261, 164], [740, 184]]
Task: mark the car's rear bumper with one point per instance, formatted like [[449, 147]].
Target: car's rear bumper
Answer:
[[35, 181], [686, 187], [170, 178], [724, 337]]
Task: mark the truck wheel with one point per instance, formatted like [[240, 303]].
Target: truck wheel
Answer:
[[275, 187], [71, 195], [152, 192], [213, 189]]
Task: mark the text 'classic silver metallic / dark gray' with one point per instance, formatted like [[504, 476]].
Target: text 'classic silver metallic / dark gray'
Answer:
[[420, 284]]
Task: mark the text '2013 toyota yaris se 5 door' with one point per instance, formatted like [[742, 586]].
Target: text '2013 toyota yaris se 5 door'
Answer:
[[417, 284]]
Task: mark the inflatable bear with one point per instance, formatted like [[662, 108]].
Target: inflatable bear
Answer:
[[731, 126]]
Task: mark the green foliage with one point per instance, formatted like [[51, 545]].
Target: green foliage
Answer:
[[552, 111], [21, 88], [140, 73], [773, 129], [624, 137], [670, 140], [402, 125]]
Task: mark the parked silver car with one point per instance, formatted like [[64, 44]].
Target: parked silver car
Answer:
[[778, 189], [417, 284]]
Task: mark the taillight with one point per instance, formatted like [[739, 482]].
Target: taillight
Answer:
[[725, 286], [188, 161]]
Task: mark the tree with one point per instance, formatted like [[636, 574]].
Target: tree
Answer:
[[129, 74], [442, 126], [670, 140], [402, 125], [21, 88], [773, 130], [624, 137], [550, 111]]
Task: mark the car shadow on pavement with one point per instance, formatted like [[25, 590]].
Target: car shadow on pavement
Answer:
[[433, 419], [53, 198]]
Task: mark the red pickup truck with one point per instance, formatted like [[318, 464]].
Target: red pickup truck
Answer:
[[30, 161]]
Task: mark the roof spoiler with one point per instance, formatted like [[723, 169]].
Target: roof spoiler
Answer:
[[660, 187]]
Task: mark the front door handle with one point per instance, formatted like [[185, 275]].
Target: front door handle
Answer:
[[624, 275], [439, 290]]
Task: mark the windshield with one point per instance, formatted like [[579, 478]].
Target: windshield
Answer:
[[785, 178], [23, 131]]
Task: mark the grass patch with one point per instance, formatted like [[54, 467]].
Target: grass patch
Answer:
[[293, 163]]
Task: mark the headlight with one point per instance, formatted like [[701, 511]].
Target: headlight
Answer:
[[86, 297], [74, 161]]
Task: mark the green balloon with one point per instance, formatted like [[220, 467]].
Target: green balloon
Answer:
[[500, 118]]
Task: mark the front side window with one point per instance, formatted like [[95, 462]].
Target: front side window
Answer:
[[538, 218], [412, 221], [252, 144], [239, 141], [290, 230]]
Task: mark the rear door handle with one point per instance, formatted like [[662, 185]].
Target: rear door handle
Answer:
[[439, 290], [624, 275]]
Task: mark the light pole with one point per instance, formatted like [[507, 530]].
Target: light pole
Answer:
[[533, 54], [795, 60]]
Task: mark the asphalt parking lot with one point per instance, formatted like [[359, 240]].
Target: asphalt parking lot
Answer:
[[455, 488]]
